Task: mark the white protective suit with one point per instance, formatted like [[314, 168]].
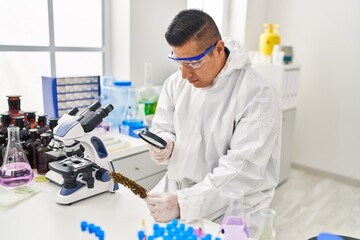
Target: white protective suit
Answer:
[[228, 133]]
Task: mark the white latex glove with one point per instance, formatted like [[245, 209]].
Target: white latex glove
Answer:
[[163, 206], [159, 156]]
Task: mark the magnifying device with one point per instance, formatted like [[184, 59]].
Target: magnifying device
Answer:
[[152, 139]]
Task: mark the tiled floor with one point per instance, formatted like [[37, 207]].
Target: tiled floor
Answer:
[[308, 204]]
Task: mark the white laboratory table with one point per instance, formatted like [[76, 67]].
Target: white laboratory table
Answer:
[[40, 217]]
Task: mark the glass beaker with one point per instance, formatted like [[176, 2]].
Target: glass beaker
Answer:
[[233, 226], [266, 230], [194, 215], [15, 170]]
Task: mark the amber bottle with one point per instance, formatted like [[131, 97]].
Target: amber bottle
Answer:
[[42, 165], [14, 107], [30, 148]]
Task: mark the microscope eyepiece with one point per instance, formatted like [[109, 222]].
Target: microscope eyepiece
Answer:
[[73, 111], [93, 107], [105, 111]]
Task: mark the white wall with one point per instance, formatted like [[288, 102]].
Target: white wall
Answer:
[[325, 35], [138, 28]]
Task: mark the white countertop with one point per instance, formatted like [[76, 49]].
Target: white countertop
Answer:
[[119, 214]]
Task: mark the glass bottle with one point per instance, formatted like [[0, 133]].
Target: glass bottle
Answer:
[[2, 146], [5, 123], [15, 170], [194, 215], [31, 120], [14, 107], [266, 230], [42, 164], [41, 122], [30, 147], [233, 226], [24, 134], [148, 94], [53, 122]]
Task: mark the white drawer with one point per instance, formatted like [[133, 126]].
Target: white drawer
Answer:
[[137, 166]]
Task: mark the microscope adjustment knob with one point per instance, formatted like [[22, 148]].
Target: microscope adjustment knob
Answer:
[[102, 175]]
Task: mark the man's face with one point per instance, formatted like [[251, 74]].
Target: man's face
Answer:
[[211, 63]]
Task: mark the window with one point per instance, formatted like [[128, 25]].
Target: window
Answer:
[[48, 37]]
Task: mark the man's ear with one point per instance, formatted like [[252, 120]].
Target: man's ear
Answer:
[[220, 48]]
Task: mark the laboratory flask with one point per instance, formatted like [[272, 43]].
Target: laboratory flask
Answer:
[[15, 170], [148, 94], [233, 226], [194, 215], [266, 230], [131, 114]]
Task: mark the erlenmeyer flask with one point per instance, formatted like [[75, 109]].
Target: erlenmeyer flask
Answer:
[[233, 226], [194, 215], [266, 230], [15, 170]]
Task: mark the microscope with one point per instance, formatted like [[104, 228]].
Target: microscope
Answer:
[[84, 168]]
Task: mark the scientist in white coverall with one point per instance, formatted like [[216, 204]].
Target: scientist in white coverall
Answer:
[[222, 124]]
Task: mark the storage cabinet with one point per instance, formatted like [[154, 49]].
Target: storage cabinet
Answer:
[[140, 168]]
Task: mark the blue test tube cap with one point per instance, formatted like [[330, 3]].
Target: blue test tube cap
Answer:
[[217, 238], [101, 235], [174, 222], [141, 235], [190, 230], [83, 226], [193, 237], [97, 230], [207, 237], [91, 228], [156, 226], [182, 227], [169, 226]]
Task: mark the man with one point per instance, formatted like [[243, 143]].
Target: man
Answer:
[[222, 124]]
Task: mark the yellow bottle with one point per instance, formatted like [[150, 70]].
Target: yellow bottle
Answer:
[[269, 38]]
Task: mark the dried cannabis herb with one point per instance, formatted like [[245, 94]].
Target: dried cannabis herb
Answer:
[[133, 186]]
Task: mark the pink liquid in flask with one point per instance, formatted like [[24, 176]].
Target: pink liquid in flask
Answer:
[[15, 174]]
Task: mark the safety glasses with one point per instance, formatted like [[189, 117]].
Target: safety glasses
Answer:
[[192, 62]]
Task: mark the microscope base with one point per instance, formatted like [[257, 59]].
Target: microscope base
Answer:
[[68, 196]]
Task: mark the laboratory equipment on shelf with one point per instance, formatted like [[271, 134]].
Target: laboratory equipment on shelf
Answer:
[[15, 170], [266, 229], [14, 107], [233, 226], [86, 174], [269, 38], [133, 121], [148, 94], [115, 92]]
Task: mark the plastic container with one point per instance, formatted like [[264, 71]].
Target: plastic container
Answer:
[[132, 118], [116, 93], [269, 38]]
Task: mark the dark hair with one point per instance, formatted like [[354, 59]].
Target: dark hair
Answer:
[[192, 24]]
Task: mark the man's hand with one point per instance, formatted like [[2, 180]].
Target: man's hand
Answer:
[[159, 156], [163, 206]]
